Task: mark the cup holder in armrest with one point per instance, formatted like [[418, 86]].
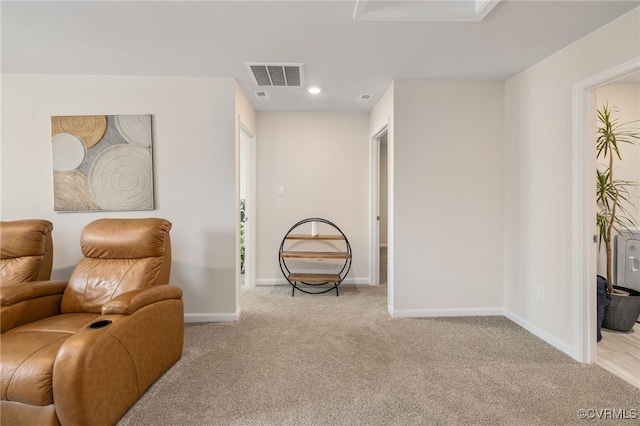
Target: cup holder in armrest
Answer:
[[99, 324]]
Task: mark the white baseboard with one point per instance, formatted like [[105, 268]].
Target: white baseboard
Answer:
[[282, 281], [553, 341], [453, 312], [211, 317]]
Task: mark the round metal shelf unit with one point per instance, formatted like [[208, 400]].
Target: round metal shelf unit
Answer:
[[307, 282]]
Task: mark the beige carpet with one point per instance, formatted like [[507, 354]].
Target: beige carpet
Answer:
[[327, 360]]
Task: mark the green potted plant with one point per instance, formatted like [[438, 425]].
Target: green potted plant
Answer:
[[613, 198]]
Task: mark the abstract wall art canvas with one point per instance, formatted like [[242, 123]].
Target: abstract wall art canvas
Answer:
[[102, 162]]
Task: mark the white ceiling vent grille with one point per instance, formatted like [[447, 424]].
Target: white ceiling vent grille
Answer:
[[262, 96], [365, 97], [276, 74]]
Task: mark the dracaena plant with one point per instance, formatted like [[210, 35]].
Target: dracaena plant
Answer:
[[613, 195]]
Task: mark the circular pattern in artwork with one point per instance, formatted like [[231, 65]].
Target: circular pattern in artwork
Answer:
[[89, 128], [71, 192], [67, 152], [121, 178], [135, 129]]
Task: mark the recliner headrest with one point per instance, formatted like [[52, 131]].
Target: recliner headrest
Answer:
[[125, 238], [20, 238]]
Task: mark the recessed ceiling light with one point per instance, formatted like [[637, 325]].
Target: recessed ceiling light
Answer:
[[314, 90]]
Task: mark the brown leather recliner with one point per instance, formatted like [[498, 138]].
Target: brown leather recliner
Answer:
[[93, 344], [26, 254], [26, 251]]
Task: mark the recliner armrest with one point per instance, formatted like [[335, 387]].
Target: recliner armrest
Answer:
[[129, 302], [29, 301], [12, 294]]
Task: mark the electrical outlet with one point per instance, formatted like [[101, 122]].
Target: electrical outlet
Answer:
[[540, 293]]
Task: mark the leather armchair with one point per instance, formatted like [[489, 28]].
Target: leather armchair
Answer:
[[26, 251], [94, 344], [26, 255]]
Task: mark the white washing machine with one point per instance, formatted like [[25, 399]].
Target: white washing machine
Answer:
[[627, 259]]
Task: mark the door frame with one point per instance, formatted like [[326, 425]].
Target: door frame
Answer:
[[374, 205], [584, 252], [250, 207]]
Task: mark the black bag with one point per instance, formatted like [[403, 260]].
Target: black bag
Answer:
[[604, 298]]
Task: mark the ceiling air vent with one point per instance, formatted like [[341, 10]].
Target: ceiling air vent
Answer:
[[276, 74], [262, 96], [365, 97]]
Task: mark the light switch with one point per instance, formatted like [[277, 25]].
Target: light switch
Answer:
[[281, 191]]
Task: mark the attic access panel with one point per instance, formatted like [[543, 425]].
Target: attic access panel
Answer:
[[423, 11], [276, 74]]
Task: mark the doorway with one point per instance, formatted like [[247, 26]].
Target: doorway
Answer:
[[584, 213], [619, 352], [247, 207], [383, 207], [380, 244]]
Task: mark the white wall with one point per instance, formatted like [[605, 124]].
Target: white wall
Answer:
[[448, 198], [194, 156], [538, 178], [626, 99], [321, 160]]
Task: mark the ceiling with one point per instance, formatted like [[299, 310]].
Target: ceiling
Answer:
[[344, 57]]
